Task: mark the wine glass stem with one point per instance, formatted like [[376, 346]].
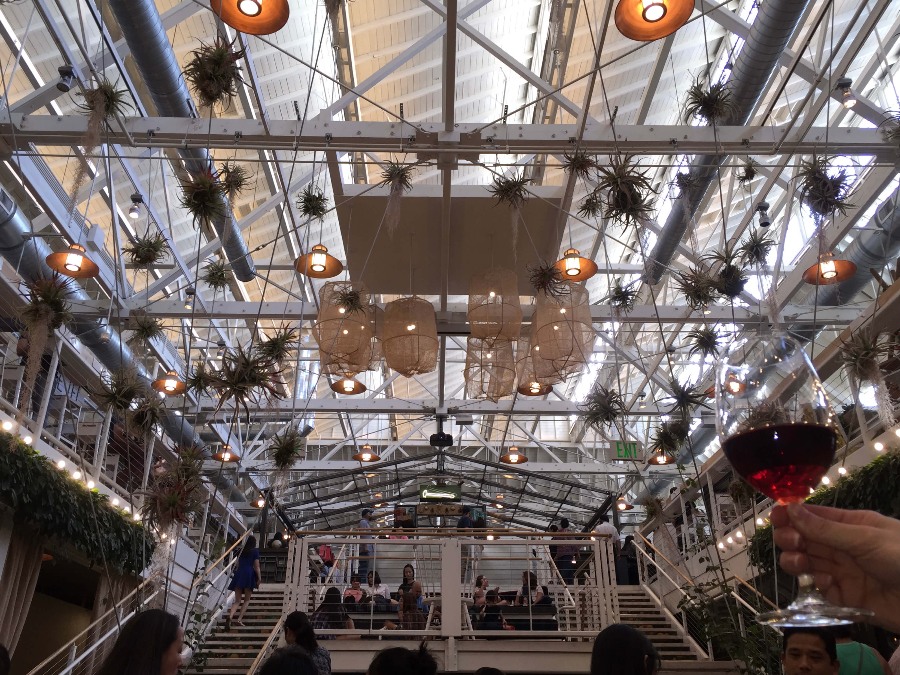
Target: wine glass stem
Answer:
[[807, 584]]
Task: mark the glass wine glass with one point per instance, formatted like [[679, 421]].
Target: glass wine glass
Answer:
[[780, 434]]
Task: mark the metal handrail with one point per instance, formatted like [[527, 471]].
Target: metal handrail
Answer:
[[266, 648], [211, 567], [662, 555], [755, 592]]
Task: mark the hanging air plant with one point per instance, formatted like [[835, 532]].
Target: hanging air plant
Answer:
[[200, 379], [333, 7], [148, 250], [685, 398], [822, 192], [147, 416], [713, 105], [146, 329], [625, 191], [312, 203], [730, 280], [546, 279], [668, 437], [623, 298], [890, 128], [580, 164], [514, 193], [118, 390], [102, 103], [684, 184], [765, 414], [204, 197], [398, 178], [47, 310], [213, 72], [704, 341], [247, 377], [215, 275], [280, 345], [697, 285], [234, 179], [176, 496], [602, 407], [741, 493], [653, 508], [754, 250], [285, 449], [350, 299], [749, 171], [592, 205], [862, 355]]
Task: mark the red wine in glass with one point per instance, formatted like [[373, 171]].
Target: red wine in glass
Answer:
[[783, 461]]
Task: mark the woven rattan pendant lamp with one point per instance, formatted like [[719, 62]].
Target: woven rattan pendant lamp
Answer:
[[255, 17]]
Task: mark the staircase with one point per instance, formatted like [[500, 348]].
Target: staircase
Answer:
[[637, 609], [232, 653]]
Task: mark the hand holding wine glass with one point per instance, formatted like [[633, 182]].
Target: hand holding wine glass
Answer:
[[854, 556], [779, 433]]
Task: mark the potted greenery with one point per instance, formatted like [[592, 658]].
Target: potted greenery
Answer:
[[602, 407], [398, 178]]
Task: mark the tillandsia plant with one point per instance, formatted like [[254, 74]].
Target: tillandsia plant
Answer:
[[862, 354], [398, 178], [625, 191], [203, 196], [823, 191], [741, 493], [147, 251], [713, 105], [312, 203], [213, 72], [591, 206], [247, 377], [748, 171], [333, 7], [48, 309], [118, 390], [200, 378], [653, 507], [512, 191], [146, 417], [754, 250], [286, 448], [146, 329], [280, 345], [765, 414], [176, 496], [698, 286], [351, 300], [101, 103], [580, 164], [215, 275], [623, 298], [730, 279], [686, 397], [890, 128], [602, 407], [546, 279], [668, 437], [684, 184], [704, 341], [235, 178]]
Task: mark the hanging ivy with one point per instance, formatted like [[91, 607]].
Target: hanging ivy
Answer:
[[68, 513]]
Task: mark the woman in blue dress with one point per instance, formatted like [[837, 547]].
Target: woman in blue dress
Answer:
[[246, 578]]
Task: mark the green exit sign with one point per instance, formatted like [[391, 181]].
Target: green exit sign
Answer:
[[627, 451]]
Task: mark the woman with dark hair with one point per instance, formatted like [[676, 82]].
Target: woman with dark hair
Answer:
[[411, 617], [331, 615], [149, 644], [299, 631], [620, 649], [289, 661], [409, 576], [378, 592], [246, 578], [402, 661], [530, 593]]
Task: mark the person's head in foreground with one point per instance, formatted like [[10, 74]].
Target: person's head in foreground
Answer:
[[149, 644], [809, 651], [487, 670], [299, 631], [620, 649], [289, 661], [402, 661]]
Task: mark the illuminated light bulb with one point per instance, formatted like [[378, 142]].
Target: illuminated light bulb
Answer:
[[500, 497], [537, 348], [284, 536], [555, 327], [534, 388], [661, 459], [126, 508], [811, 491], [572, 262], [74, 259], [879, 446], [730, 540], [411, 326], [90, 485], [76, 474], [653, 10], [342, 310], [137, 516], [7, 425], [318, 260], [562, 310], [170, 384], [499, 506], [707, 311], [348, 385], [826, 480], [734, 386], [760, 522], [61, 464], [27, 440], [346, 332], [492, 294], [115, 501], [489, 355], [163, 536], [226, 456], [490, 537], [367, 456], [827, 269], [739, 534], [261, 502], [250, 7], [842, 471], [721, 546]]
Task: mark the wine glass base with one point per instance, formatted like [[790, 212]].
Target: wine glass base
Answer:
[[813, 612]]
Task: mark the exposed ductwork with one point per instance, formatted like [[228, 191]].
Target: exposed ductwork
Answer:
[[769, 36], [145, 34]]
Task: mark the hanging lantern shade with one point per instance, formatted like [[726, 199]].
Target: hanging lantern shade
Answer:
[[829, 270], [490, 369], [225, 454], [318, 263], [348, 386], [512, 456], [562, 333], [494, 308], [345, 325], [366, 454], [661, 458], [73, 262], [648, 20], [169, 384], [622, 505], [409, 337], [575, 267], [530, 383], [254, 17]]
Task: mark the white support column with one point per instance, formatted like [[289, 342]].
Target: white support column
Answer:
[[451, 588], [38, 424]]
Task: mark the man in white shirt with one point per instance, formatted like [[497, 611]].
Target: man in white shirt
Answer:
[[608, 529]]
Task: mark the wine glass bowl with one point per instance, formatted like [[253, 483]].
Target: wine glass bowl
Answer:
[[779, 432]]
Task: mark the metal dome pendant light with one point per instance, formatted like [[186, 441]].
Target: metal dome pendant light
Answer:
[[648, 20], [254, 17], [575, 267], [225, 454], [513, 456], [318, 263], [366, 454], [73, 262], [169, 384], [349, 386], [829, 270]]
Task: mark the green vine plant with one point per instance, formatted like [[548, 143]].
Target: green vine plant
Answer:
[[48, 309], [147, 251], [602, 408], [546, 279], [823, 191], [714, 105], [213, 72], [398, 178], [512, 191], [862, 354], [625, 191]]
